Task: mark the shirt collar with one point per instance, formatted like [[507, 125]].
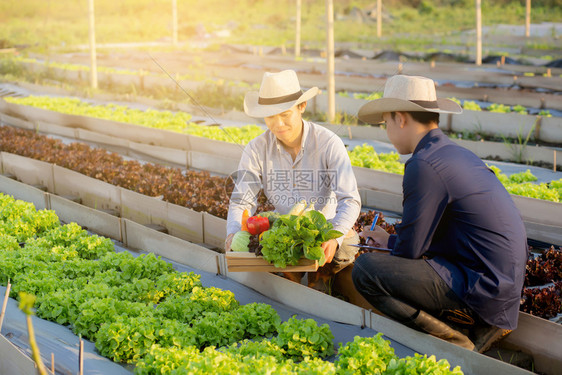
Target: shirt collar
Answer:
[[434, 133]]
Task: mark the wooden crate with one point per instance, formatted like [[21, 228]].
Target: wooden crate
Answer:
[[249, 262]]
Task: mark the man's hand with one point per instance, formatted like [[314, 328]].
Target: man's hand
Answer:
[[376, 237], [330, 248], [228, 241]]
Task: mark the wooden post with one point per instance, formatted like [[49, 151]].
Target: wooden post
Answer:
[[53, 363], [554, 164], [538, 123], [81, 358], [478, 32], [330, 60], [527, 18], [449, 122], [7, 295], [93, 63], [298, 30], [379, 18], [174, 22]]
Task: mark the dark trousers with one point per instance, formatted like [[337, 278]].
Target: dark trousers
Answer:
[[400, 288]]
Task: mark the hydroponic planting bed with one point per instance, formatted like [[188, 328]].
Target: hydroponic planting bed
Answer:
[[542, 218], [79, 281], [199, 191], [107, 296], [179, 122], [131, 236]]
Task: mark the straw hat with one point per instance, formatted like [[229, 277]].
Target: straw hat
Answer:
[[407, 94], [278, 93]]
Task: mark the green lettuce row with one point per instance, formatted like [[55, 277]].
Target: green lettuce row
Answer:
[[22, 221], [80, 281], [180, 122], [174, 121], [522, 184], [361, 156], [365, 355], [86, 285], [365, 156]]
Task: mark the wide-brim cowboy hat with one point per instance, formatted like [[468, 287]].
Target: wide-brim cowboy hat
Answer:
[[278, 93], [407, 94]]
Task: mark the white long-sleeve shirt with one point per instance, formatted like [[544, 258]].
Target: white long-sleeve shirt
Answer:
[[321, 173]]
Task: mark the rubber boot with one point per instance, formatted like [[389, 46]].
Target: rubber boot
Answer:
[[485, 337], [437, 328]]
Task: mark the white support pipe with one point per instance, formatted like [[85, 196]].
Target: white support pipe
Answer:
[[478, 32], [92, 33], [298, 30], [330, 60]]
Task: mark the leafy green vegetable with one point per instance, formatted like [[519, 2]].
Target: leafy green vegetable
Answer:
[[470, 105], [365, 156], [421, 365], [128, 338], [8, 243], [192, 306], [520, 177], [259, 319], [314, 366], [261, 348], [218, 329], [97, 311], [302, 338], [500, 108], [522, 184], [240, 241], [293, 237], [19, 219], [365, 355]]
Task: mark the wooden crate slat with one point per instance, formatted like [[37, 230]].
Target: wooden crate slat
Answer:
[[249, 262]]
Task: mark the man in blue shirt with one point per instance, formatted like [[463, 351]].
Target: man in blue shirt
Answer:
[[457, 263]]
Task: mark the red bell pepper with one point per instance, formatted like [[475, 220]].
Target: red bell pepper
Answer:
[[257, 224]]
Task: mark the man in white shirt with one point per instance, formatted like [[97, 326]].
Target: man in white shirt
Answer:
[[295, 160]]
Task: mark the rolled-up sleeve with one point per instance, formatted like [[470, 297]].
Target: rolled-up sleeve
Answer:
[[425, 201], [347, 195]]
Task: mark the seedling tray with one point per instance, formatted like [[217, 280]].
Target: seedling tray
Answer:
[[249, 262]]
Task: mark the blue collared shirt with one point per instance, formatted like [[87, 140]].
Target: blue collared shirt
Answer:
[[458, 215]]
